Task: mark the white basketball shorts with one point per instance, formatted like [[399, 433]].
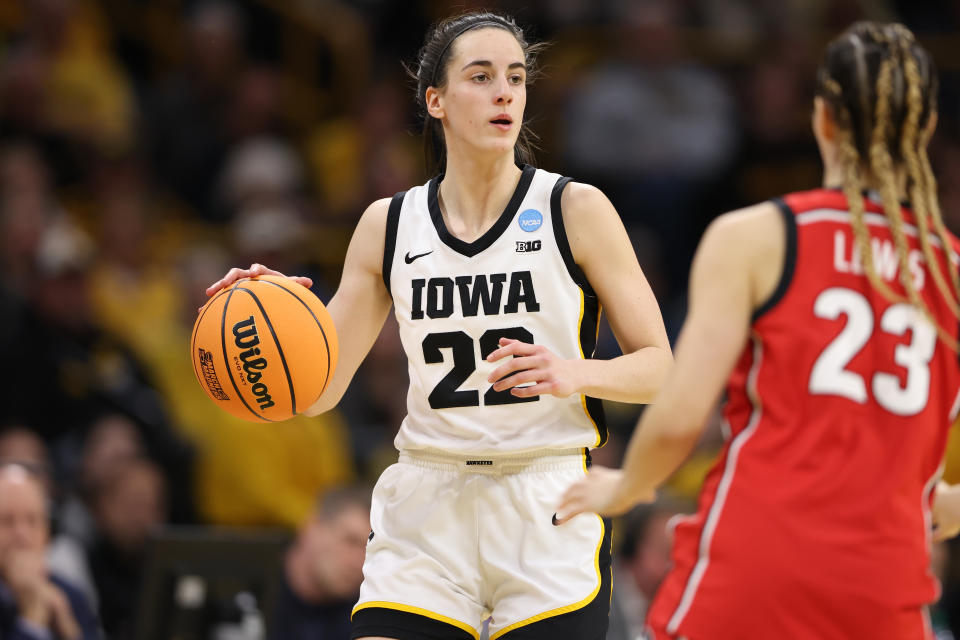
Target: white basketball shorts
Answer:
[[458, 538]]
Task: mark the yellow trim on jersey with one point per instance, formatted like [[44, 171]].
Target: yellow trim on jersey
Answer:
[[583, 398], [420, 612], [569, 607], [580, 324]]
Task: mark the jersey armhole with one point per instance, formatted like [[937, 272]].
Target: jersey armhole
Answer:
[[563, 245], [789, 260], [390, 239]]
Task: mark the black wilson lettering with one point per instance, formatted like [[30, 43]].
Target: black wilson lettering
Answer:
[[246, 337]]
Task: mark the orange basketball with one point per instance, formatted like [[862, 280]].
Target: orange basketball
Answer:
[[264, 349]]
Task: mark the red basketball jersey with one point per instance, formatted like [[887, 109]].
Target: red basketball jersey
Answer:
[[815, 520]]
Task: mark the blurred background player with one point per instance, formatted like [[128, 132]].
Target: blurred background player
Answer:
[[493, 259], [833, 326]]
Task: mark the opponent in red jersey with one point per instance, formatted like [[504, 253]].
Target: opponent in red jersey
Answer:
[[832, 318]]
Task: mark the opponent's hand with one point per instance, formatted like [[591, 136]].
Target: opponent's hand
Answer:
[[599, 492], [255, 270], [946, 511], [531, 363]]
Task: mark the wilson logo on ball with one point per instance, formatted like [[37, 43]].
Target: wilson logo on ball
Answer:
[[246, 337]]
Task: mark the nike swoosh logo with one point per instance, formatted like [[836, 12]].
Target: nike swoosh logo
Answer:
[[408, 258]]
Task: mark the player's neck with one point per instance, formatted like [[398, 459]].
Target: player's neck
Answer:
[[833, 178], [474, 193]]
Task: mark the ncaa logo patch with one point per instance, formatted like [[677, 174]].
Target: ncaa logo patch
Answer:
[[530, 220]]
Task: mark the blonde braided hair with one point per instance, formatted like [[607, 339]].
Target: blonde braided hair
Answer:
[[899, 106]]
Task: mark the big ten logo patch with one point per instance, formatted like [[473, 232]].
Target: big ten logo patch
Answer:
[[528, 246]]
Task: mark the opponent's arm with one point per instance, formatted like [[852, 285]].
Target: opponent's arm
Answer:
[[737, 267], [601, 247], [358, 308]]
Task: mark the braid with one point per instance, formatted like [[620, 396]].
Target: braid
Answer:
[[935, 215], [920, 192], [852, 189], [881, 86], [881, 165], [930, 181]]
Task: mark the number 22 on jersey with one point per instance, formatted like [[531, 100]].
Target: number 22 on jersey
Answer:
[[830, 376], [447, 393]]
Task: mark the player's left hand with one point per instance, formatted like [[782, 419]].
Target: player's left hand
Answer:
[[531, 363], [599, 492]]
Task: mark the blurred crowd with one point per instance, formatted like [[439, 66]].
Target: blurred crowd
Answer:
[[148, 145]]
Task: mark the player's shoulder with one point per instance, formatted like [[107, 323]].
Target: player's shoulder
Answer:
[[747, 228], [754, 241], [579, 198], [373, 220], [377, 210], [586, 208]]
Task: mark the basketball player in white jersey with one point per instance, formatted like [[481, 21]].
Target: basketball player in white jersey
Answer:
[[497, 272]]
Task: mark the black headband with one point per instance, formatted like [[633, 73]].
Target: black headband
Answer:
[[463, 30]]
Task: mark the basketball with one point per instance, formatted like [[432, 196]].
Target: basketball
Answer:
[[264, 349]]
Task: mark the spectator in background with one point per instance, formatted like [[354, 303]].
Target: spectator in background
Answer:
[[70, 370], [34, 604], [639, 568], [27, 208], [68, 92], [324, 567], [651, 128], [110, 441], [66, 556], [777, 155], [187, 119], [365, 154], [128, 505]]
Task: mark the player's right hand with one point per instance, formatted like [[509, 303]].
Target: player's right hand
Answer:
[[255, 270]]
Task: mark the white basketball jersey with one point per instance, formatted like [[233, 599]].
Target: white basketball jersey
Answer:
[[454, 300]]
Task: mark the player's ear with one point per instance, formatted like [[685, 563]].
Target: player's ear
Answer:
[[434, 103], [824, 123]]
